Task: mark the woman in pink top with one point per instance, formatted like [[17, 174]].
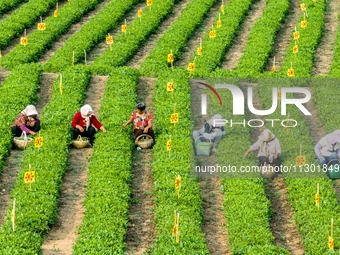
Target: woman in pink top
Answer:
[[142, 121], [84, 123], [26, 121]]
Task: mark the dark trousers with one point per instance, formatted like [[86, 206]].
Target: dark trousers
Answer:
[[16, 131], [89, 133], [276, 161], [138, 132]]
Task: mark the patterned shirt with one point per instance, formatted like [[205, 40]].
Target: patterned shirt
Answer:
[[22, 121], [139, 122]]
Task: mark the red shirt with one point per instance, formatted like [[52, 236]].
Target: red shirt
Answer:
[[79, 120]]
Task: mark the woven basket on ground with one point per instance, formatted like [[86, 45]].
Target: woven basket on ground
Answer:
[[23, 141], [81, 142], [203, 148], [144, 141]]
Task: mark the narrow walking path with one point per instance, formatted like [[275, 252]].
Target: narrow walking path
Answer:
[[13, 161], [63, 234], [141, 231]]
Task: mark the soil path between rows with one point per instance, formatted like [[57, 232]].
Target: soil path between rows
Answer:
[[145, 50], [234, 54], [214, 225], [141, 230], [13, 161], [282, 225], [63, 234]]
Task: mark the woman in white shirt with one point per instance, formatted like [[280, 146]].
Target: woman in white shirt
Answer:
[[327, 149]]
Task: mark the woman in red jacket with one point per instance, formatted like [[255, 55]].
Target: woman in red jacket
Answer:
[[83, 122]]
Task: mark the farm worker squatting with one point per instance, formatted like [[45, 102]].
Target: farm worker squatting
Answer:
[[27, 121], [327, 149], [83, 122]]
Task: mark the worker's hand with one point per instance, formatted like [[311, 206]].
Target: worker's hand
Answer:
[[146, 130], [124, 125], [32, 132], [81, 129], [103, 129], [246, 154], [275, 155]]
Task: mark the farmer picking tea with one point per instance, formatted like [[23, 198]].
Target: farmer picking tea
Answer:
[[327, 149], [212, 130], [269, 149], [26, 121], [85, 123], [142, 121]]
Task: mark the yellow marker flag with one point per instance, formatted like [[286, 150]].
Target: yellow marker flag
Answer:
[[300, 160], [148, 2], [170, 58], [109, 39], [168, 145], [124, 27], [38, 142], [23, 41], [174, 118], [55, 13], [331, 243], [170, 86], [317, 199], [304, 23], [140, 13], [29, 177], [41, 26]]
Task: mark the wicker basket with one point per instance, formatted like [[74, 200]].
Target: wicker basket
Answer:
[[144, 143], [81, 142], [203, 148], [23, 141]]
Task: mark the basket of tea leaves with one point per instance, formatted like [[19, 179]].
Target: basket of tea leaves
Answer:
[[23, 141], [81, 142], [144, 141]]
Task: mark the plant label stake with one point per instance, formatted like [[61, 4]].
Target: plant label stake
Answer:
[[38, 141], [109, 41], [55, 13], [72, 58], [178, 185], [29, 176], [317, 196], [191, 67], [171, 59], [296, 35], [290, 71], [24, 40], [174, 116], [300, 160], [124, 27], [199, 49], [295, 49], [13, 215], [304, 21], [219, 22], [274, 66], [61, 85], [168, 145], [222, 7], [212, 33], [149, 3], [175, 229], [41, 25], [139, 14], [330, 238]]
